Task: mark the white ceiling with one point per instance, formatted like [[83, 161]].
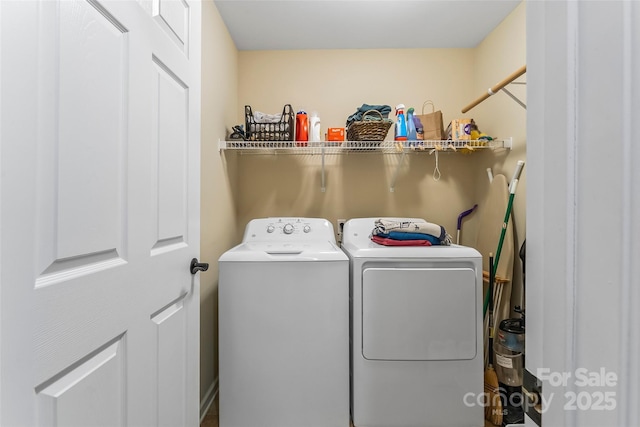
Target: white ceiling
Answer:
[[361, 24]]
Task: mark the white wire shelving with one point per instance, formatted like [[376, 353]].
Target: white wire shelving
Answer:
[[325, 148], [385, 147]]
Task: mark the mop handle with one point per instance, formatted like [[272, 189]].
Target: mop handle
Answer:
[[465, 213], [489, 295], [516, 177], [492, 278], [503, 232], [462, 215], [512, 193], [507, 215]]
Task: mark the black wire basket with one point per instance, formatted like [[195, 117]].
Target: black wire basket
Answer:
[[263, 131]]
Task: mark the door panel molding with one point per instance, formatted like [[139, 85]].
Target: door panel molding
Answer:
[[173, 17], [171, 359], [63, 270], [169, 157], [97, 382], [82, 140]]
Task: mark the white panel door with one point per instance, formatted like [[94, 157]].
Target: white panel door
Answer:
[[583, 324], [99, 158]]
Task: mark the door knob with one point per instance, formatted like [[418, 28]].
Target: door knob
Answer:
[[196, 266]]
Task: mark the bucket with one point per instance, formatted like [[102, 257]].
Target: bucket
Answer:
[[508, 365], [511, 334]]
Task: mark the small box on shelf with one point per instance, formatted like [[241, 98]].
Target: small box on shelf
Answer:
[[335, 136]]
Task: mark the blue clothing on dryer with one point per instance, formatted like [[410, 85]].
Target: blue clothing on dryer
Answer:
[[400, 235]]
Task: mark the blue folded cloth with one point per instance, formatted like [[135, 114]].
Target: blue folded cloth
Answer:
[[384, 110], [400, 235]]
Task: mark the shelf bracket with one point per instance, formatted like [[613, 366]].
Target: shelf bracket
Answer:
[[508, 143], [323, 186], [515, 98]]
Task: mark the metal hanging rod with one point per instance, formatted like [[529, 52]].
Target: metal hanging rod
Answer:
[[500, 86]]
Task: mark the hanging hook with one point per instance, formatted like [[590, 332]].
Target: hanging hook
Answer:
[[436, 171]]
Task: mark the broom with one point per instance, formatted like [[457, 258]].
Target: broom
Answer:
[[493, 408], [512, 194]]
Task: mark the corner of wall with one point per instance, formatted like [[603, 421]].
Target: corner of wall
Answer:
[[501, 53], [218, 178]]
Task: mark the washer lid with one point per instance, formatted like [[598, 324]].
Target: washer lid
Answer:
[[283, 251]]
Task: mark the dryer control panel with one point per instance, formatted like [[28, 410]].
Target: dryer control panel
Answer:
[[287, 229]]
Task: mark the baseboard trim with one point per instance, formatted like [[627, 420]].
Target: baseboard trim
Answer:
[[208, 399]]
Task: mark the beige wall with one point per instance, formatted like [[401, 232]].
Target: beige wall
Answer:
[[499, 55], [218, 216], [335, 83]]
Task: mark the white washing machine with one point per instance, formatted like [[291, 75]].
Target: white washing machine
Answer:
[[416, 332], [284, 327]]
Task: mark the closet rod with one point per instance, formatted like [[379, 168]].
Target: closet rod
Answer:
[[493, 90]]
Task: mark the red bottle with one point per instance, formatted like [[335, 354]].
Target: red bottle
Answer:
[[302, 129]]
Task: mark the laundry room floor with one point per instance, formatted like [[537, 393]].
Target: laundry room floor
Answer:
[[211, 419]]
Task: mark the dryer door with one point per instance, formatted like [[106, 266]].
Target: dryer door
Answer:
[[419, 313]]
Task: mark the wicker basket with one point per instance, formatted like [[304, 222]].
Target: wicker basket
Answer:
[[369, 130]]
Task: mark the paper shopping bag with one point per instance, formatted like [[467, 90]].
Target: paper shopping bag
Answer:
[[432, 123]]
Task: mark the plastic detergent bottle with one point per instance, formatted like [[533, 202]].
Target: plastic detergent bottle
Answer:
[[314, 128], [302, 129], [419, 128], [400, 131], [411, 127]]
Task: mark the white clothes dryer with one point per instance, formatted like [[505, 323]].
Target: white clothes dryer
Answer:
[[284, 327], [416, 330]]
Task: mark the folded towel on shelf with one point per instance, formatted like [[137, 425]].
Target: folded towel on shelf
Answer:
[[392, 242], [396, 235], [384, 110], [385, 226], [267, 118]]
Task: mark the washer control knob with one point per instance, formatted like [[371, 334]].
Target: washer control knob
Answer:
[[270, 229], [306, 229], [288, 229]]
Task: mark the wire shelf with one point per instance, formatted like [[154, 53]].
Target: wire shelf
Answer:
[[384, 147], [388, 147]]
